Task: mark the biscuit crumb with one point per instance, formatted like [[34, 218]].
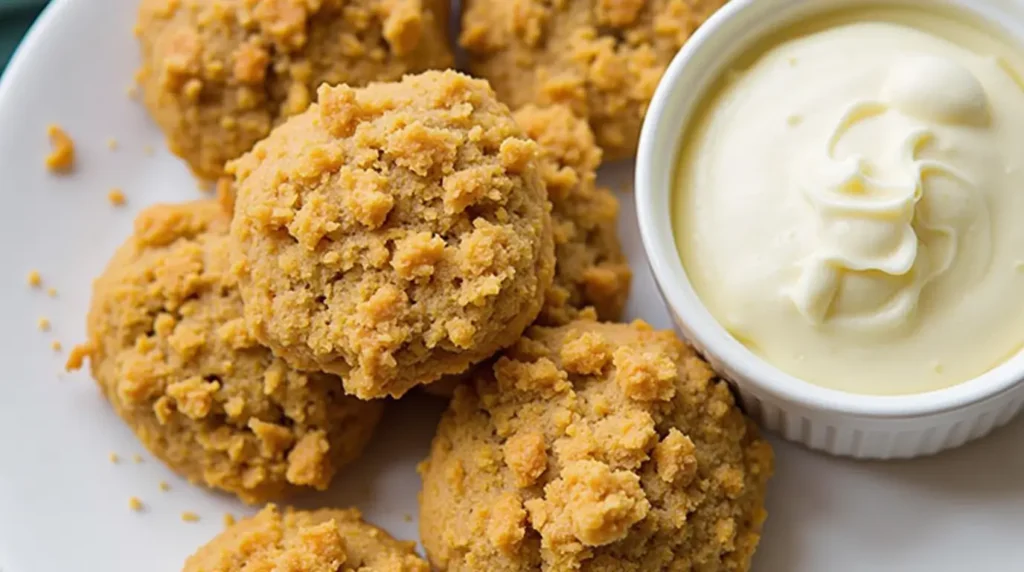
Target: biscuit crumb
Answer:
[[132, 91], [116, 197], [44, 325], [112, 144], [76, 357], [148, 150], [56, 345], [189, 516], [229, 519], [35, 279], [51, 292], [164, 487], [114, 458], [407, 517], [675, 458], [137, 458], [62, 157], [135, 504]]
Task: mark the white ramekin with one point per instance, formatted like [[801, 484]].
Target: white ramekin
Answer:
[[836, 422]]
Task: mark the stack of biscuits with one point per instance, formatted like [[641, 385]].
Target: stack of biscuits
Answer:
[[385, 224]]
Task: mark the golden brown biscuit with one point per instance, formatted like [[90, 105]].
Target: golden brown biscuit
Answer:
[[327, 540], [595, 447], [217, 75], [393, 234], [592, 277], [590, 269], [602, 58], [169, 348]]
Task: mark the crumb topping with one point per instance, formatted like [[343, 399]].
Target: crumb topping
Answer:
[[601, 58], [637, 459], [393, 234], [591, 270], [318, 541], [169, 348], [217, 75]]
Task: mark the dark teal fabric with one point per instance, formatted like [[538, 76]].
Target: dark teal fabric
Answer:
[[15, 18]]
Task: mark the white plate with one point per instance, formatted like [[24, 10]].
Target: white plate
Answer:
[[64, 505]]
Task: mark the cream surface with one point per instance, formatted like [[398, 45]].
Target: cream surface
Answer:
[[850, 205]]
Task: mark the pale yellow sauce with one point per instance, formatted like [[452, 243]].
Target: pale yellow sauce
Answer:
[[850, 204]]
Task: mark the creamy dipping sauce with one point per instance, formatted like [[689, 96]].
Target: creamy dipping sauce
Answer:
[[850, 203]]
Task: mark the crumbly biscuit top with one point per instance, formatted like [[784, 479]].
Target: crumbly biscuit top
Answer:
[[298, 541], [395, 233], [218, 74], [590, 269], [602, 58], [595, 447], [169, 347]]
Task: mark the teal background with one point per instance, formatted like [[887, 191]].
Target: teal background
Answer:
[[15, 18]]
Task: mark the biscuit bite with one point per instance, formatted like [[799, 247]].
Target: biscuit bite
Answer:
[[327, 540], [393, 234], [602, 58], [217, 75], [594, 447], [169, 348]]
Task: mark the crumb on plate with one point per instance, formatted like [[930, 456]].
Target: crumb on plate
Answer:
[[116, 197], [164, 486], [189, 516], [51, 292], [135, 504], [35, 279], [148, 150], [114, 458], [55, 344], [76, 357], [137, 458], [44, 325], [62, 156], [229, 519], [112, 144]]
